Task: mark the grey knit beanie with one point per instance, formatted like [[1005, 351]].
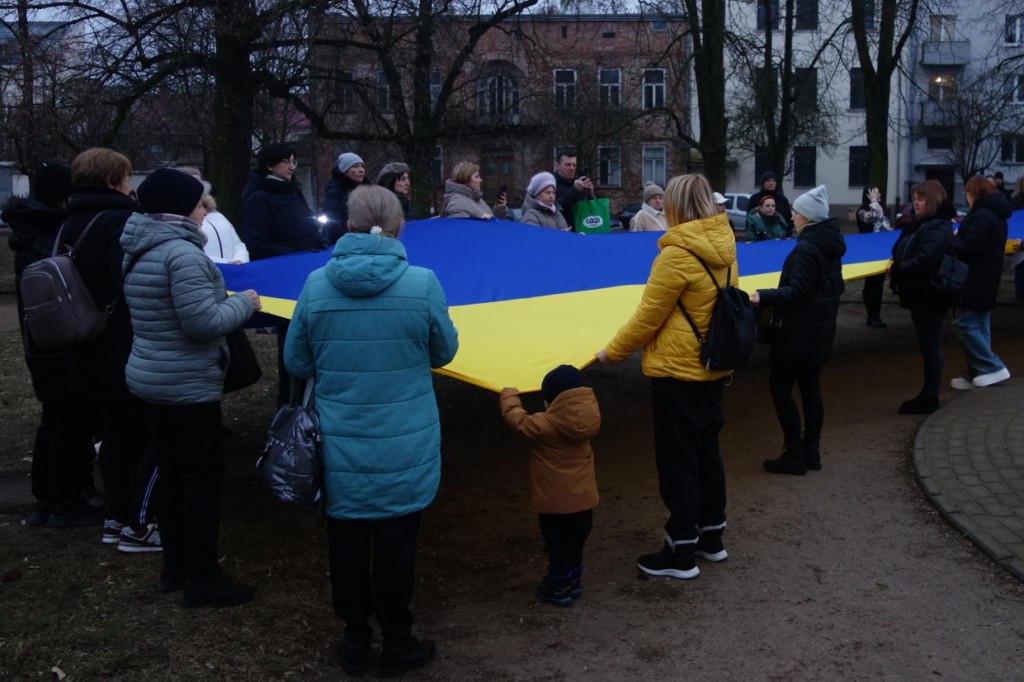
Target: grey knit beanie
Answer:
[[813, 205]]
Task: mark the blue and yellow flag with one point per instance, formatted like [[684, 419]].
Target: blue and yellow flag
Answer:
[[526, 299]]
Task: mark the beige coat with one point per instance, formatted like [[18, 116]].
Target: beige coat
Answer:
[[561, 459], [658, 326], [462, 202], [648, 220]]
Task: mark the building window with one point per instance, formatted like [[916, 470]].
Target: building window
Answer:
[[941, 88], [654, 88], [772, 19], [498, 94], [939, 142], [761, 164], [805, 89], [942, 27], [859, 167], [565, 88], [435, 87], [659, 25], [1015, 87], [805, 166], [1012, 149], [806, 15], [869, 15], [654, 165], [857, 98], [609, 166], [1015, 29], [609, 84], [383, 92], [346, 92]]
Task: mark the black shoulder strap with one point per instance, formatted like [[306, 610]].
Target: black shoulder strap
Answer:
[[57, 241], [728, 276]]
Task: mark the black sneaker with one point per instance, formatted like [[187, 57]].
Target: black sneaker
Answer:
[[576, 582], [41, 514], [217, 593], [76, 514], [354, 652], [922, 404], [672, 562], [412, 655], [709, 545], [556, 590]]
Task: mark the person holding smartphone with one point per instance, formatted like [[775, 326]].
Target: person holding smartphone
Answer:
[[569, 189]]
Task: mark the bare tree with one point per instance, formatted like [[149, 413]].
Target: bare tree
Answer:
[[881, 29]]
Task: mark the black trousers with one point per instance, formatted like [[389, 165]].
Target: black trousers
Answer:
[[807, 378], [126, 463], [373, 564], [928, 327], [874, 286], [185, 442], [691, 476], [564, 535], [62, 452]]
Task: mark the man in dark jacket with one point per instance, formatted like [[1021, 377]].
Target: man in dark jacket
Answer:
[[980, 242], [570, 190], [807, 299], [769, 187], [348, 173]]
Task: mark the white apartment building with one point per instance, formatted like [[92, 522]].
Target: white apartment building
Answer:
[[950, 47]]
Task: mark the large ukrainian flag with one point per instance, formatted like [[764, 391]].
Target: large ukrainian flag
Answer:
[[526, 299]]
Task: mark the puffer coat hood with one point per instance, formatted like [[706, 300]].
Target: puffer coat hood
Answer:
[[561, 459], [364, 265], [670, 347]]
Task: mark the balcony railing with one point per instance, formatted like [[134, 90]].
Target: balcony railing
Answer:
[[946, 52]]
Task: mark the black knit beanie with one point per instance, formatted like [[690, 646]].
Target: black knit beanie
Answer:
[[52, 183], [169, 191], [561, 378]]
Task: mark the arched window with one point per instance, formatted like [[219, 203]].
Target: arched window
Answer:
[[498, 93]]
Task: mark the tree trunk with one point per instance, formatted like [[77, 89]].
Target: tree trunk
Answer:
[[709, 74]]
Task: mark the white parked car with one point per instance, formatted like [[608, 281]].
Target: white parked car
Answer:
[[736, 208]]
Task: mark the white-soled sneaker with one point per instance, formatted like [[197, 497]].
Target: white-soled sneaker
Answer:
[[136, 539], [961, 384], [111, 531], [992, 378]]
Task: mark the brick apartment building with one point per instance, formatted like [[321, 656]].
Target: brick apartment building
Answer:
[[613, 88]]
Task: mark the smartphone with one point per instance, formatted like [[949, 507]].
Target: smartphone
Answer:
[[584, 172], [502, 189]]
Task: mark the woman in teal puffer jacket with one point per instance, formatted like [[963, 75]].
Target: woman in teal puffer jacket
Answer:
[[370, 327], [180, 315]]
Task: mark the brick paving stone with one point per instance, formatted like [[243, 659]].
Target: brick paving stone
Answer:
[[970, 464]]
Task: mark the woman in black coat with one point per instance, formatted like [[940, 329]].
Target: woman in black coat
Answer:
[[916, 256], [277, 219], [807, 299], [980, 242]]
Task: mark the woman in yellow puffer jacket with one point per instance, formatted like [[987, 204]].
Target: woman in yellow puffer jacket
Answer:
[[686, 397]]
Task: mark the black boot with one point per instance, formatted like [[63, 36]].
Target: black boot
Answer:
[[709, 544], [354, 652], [675, 560], [924, 403], [812, 455], [792, 461], [410, 656]]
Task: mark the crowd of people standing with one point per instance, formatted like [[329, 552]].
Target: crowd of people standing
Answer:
[[370, 327]]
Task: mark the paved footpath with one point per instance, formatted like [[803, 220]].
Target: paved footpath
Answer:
[[969, 458]]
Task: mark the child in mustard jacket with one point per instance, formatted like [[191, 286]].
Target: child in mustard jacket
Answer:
[[561, 474]]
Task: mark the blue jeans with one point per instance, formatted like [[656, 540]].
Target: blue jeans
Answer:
[[975, 336]]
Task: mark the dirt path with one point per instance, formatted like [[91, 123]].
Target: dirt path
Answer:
[[846, 574]]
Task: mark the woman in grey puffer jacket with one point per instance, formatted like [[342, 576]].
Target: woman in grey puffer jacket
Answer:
[[539, 205], [180, 315], [463, 198]]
